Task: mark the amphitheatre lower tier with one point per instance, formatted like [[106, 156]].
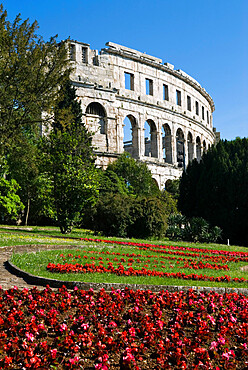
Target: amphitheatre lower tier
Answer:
[[133, 102]]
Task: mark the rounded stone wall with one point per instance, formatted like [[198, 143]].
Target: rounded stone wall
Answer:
[[133, 102]]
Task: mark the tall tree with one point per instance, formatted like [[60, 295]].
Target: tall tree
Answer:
[[217, 189], [69, 161], [137, 176], [23, 160], [30, 72]]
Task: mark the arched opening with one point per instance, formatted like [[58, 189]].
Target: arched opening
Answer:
[[151, 145], [180, 148], [198, 149], [190, 147], [204, 146], [97, 113], [130, 139], [166, 143], [155, 182]]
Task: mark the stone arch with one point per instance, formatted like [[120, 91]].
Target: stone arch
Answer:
[[130, 138], [155, 182], [98, 114], [151, 144], [180, 148], [166, 143], [190, 148], [198, 149]]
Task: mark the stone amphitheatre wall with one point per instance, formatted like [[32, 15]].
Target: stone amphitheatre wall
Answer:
[[120, 86]]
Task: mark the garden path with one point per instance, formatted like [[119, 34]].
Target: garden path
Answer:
[[9, 280]]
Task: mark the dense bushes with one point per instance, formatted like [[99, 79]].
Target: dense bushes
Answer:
[[129, 203], [123, 215], [194, 229]]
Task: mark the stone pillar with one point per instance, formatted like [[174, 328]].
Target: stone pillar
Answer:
[[141, 134], [119, 134], [174, 149], [186, 153], [160, 143], [135, 141], [194, 148]]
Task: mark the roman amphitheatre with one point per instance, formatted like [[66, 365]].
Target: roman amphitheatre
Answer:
[[134, 102]]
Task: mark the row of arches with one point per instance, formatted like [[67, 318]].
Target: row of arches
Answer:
[[185, 148], [177, 150]]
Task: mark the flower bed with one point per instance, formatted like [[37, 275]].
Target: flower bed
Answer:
[[138, 264], [122, 329], [121, 271]]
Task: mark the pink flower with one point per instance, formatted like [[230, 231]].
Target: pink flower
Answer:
[[74, 360], [30, 337], [213, 345], [222, 341], [63, 327]]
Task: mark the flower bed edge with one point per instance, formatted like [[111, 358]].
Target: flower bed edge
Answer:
[[55, 283]]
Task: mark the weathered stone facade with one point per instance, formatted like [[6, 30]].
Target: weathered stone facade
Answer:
[[120, 82]]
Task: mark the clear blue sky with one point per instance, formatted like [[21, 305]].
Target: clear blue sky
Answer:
[[208, 39]]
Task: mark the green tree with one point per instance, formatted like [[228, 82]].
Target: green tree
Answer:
[[217, 189], [110, 182], [30, 72], [10, 203], [137, 176], [68, 162], [23, 161]]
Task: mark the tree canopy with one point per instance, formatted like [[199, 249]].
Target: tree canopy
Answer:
[[137, 176], [217, 189], [68, 161], [31, 70]]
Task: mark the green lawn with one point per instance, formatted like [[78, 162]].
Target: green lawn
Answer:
[[36, 263]]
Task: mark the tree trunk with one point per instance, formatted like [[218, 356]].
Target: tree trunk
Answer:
[[27, 213]]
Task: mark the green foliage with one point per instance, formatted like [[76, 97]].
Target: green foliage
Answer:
[[123, 215], [68, 163], [130, 204], [112, 214], [110, 182], [137, 176], [149, 218], [30, 72], [172, 186], [23, 161], [217, 189], [10, 203], [194, 229]]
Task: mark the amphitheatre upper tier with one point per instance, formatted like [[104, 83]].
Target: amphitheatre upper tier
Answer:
[[133, 102]]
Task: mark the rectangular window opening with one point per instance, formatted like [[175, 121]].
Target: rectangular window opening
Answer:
[[166, 92], [203, 113], [72, 52], [189, 103], [84, 55], [129, 81], [207, 117], [149, 87], [197, 108], [179, 97]]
